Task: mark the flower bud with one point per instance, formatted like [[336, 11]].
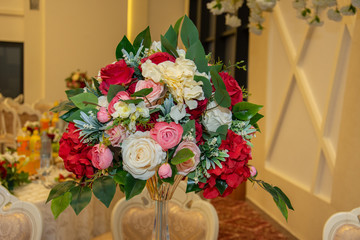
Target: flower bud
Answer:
[[253, 171], [103, 116], [165, 171]]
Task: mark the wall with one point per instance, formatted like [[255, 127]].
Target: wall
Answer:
[[12, 20], [308, 146], [66, 35]]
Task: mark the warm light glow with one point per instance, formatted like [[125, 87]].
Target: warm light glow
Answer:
[[129, 19]]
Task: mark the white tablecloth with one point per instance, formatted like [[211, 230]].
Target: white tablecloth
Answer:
[[92, 221]]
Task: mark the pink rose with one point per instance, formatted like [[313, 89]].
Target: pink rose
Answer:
[[117, 73], [167, 135], [156, 92], [103, 116], [119, 96], [253, 171], [101, 156], [117, 135], [165, 171], [191, 164]]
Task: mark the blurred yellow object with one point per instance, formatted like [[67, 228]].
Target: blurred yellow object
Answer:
[[22, 143], [35, 147]]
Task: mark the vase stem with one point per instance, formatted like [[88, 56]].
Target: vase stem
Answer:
[[161, 228]]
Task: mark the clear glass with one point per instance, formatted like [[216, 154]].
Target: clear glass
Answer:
[[161, 227]]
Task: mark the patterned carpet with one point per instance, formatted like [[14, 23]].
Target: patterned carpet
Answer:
[[241, 220]]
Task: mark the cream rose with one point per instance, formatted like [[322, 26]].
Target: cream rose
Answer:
[[191, 164], [141, 155], [215, 117]]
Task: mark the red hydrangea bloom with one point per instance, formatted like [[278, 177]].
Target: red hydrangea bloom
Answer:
[[234, 170], [117, 73], [199, 132], [196, 113], [150, 123], [3, 171], [232, 87], [75, 154]]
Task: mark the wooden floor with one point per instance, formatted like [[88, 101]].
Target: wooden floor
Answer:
[[241, 220]]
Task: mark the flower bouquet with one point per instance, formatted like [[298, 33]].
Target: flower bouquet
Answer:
[[77, 79], [154, 117]]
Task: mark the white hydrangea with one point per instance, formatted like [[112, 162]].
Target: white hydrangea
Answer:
[[355, 3], [216, 116], [334, 14]]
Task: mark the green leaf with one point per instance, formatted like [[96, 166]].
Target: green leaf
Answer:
[[60, 189], [104, 189], [63, 106], [177, 25], [207, 88], [245, 111], [189, 33], [283, 196], [73, 92], [67, 115], [145, 38], [81, 197], [76, 114], [196, 53], [182, 156], [133, 186], [171, 36], [124, 44], [142, 93], [113, 90], [189, 126], [222, 96], [192, 186], [166, 45], [256, 118], [59, 204], [217, 68], [221, 185], [222, 131], [81, 99], [282, 207], [120, 177]]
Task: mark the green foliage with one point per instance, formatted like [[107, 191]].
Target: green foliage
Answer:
[[104, 189], [177, 25], [124, 44], [172, 38], [81, 196], [168, 47], [73, 92], [63, 106], [113, 90], [206, 87], [189, 33], [84, 100], [221, 185], [133, 186], [91, 130], [222, 131], [10, 175], [142, 39], [222, 96], [142, 93], [189, 128], [60, 203], [192, 186], [196, 53], [182, 156], [60, 189], [245, 111]]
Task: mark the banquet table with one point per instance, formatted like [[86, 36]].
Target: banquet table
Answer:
[[94, 220]]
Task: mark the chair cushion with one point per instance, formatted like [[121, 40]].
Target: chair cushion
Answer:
[[347, 231], [15, 226]]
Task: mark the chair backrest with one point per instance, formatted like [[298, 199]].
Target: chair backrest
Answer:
[[18, 220], [42, 105], [8, 127], [343, 226], [24, 111], [189, 217]]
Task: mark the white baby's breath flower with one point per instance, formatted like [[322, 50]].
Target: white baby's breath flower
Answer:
[[266, 5], [355, 3], [334, 14], [215, 8], [123, 110], [232, 20]]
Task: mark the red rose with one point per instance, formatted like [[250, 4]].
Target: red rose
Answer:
[[234, 170], [232, 87], [199, 110], [3, 171], [159, 57], [75, 154], [117, 73]]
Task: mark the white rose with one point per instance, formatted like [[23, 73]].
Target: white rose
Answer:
[[141, 155], [215, 117]]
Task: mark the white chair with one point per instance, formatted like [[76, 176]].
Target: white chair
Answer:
[[24, 111], [8, 127], [18, 220], [190, 217], [42, 105], [343, 226]]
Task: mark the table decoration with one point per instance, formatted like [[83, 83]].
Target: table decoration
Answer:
[[154, 117], [11, 173], [77, 79]]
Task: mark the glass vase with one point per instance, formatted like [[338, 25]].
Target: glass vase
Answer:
[[161, 194]]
